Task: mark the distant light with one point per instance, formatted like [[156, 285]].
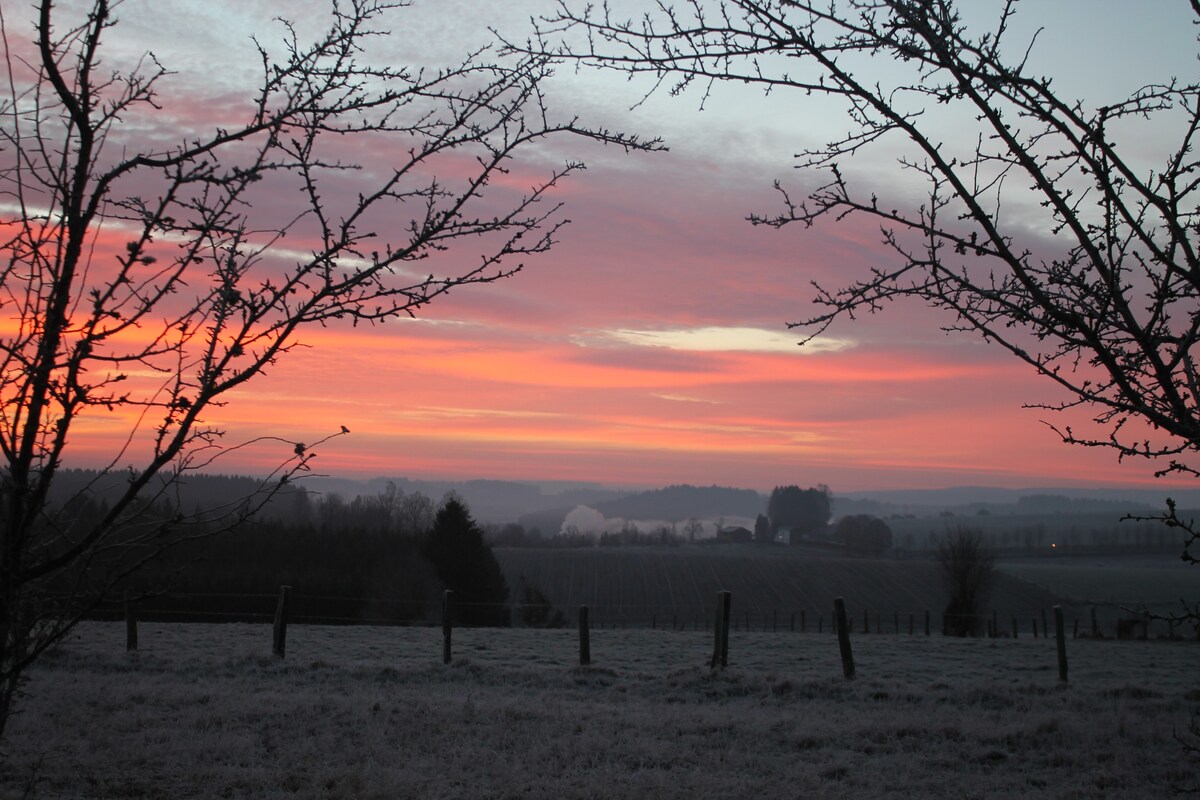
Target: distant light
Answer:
[[1053, 546]]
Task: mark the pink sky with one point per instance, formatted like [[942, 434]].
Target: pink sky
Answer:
[[649, 347]]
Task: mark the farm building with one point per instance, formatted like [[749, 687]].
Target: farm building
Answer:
[[735, 535]]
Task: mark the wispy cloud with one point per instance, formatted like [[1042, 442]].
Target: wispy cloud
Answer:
[[458, 413], [718, 338], [679, 398]]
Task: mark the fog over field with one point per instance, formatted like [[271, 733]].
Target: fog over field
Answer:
[[361, 712]]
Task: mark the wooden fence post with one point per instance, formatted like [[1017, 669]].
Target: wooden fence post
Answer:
[[131, 643], [447, 624], [720, 656], [1060, 638], [912, 621], [926, 622], [1095, 626], [716, 653], [585, 638], [1045, 625], [726, 616], [279, 634], [803, 622], [843, 632]]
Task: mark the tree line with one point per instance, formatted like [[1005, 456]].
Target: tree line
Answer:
[[385, 557]]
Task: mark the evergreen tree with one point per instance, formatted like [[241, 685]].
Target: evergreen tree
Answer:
[[464, 562], [762, 530]]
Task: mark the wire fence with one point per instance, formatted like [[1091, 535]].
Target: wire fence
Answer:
[[452, 614], [1083, 621]]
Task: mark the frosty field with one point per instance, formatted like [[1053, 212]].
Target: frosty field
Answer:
[[205, 711]]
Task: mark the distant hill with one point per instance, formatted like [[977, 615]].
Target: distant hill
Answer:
[[489, 500], [544, 504], [193, 491], [971, 499], [682, 502]]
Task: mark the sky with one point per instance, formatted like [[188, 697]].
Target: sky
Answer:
[[649, 347]]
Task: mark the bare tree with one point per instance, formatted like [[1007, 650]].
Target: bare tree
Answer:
[[1188, 612], [968, 572], [1100, 294], [200, 294]]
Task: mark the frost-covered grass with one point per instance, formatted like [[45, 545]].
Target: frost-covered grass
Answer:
[[205, 711]]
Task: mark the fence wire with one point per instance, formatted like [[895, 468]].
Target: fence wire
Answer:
[[1090, 621]]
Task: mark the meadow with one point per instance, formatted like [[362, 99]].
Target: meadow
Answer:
[[1158, 582], [645, 585], [772, 587], [204, 710]]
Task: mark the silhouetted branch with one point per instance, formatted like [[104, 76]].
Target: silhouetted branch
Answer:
[[143, 281], [1042, 229], [1189, 613]]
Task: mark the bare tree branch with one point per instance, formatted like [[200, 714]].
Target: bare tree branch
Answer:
[[216, 278], [1103, 299]]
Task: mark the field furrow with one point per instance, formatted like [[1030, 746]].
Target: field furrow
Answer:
[[638, 585]]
